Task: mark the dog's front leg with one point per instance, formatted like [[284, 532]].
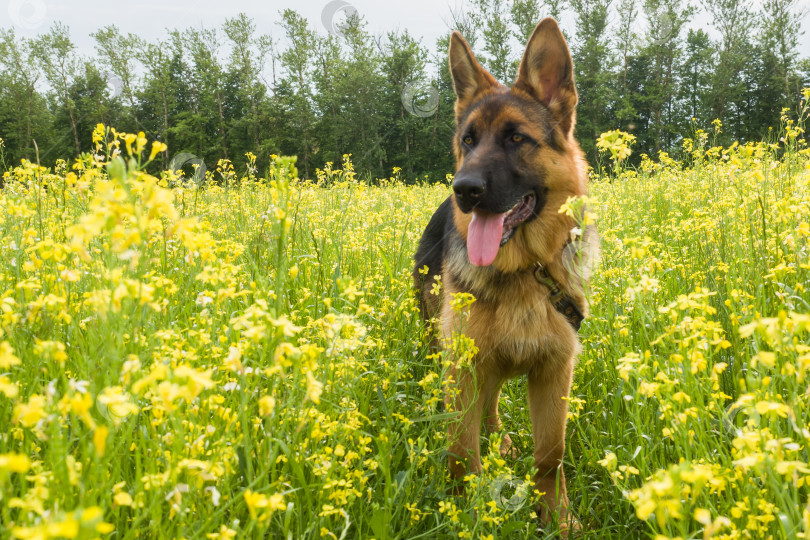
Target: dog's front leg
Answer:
[[549, 409], [468, 392]]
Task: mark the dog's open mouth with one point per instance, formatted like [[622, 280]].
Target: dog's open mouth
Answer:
[[488, 232], [517, 215]]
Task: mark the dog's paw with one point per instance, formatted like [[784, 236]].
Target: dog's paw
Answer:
[[570, 527], [567, 523], [507, 449]]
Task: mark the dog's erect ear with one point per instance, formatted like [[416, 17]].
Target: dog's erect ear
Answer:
[[469, 78], [547, 73]]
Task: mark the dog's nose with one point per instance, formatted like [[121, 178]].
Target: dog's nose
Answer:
[[469, 188]]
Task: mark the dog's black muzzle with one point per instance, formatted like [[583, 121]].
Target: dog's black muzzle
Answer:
[[469, 190]]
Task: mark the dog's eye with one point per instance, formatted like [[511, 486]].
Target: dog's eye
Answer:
[[516, 138], [468, 140]]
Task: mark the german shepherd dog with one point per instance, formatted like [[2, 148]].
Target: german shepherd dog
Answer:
[[501, 237]]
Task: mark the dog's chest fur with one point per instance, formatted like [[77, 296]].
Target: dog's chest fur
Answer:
[[514, 325]]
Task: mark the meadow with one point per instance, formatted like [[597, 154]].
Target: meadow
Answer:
[[243, 357]]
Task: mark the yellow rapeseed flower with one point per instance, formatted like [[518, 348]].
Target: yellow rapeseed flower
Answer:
[[122, 498], [266, 405], [100, 439], [16, 463], [7, 358], [8, 388], [31, 412]]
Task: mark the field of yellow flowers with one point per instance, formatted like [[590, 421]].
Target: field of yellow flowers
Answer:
[[244, 358]]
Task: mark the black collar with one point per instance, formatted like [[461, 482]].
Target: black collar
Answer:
[[559, 299]]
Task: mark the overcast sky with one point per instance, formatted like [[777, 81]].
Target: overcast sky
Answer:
[[149, 19], [425, 18]]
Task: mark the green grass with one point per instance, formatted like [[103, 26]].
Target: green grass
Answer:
[[250, 360]]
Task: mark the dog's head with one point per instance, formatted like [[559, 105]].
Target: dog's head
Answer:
[[516, 157]]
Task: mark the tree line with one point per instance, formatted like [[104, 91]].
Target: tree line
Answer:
[[387, 99]]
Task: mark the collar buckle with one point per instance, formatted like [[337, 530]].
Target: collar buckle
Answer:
[[559, 299]]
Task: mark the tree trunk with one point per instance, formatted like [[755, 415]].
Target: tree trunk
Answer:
[[407, 141], [221, 125], [165, 128], [75, 131], [28, 127]]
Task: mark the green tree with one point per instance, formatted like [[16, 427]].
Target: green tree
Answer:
[[593, 65], [803, 73], [248, 55], [383, 99], [695, 74], [61, 65], [778, 81], [23, 111], [363, 82], [555, 9], [468, 23], [498, 59], [93, 104], [297, 61], [158, 95], [734, 20], [525, 16], [329, 100], [410, 98], [626, 37], [439, 157], [119, 55], [662, 52], [208, 90]]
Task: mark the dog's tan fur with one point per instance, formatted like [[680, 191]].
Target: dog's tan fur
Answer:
[[513, 323]]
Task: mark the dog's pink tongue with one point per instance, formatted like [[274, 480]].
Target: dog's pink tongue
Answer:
[[484, 237]]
